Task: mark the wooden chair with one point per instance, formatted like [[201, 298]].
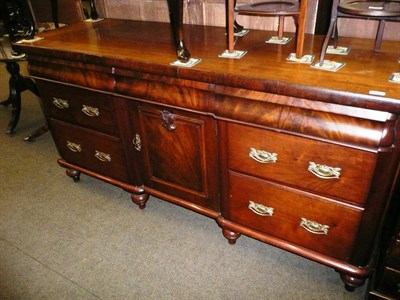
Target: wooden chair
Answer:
[[270, 8], [49, 14], [381, 11]]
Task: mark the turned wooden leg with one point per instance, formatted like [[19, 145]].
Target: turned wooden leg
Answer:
[[176, 20], [230, 236], [332, 32], [140, 199], [74, 174], [230, 24]]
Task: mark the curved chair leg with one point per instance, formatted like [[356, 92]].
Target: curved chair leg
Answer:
[[379, 35], [236, 26], [326, 41], [332, 31], [176, 19]]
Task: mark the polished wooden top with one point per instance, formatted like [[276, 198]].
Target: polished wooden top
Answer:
[[147, 47]]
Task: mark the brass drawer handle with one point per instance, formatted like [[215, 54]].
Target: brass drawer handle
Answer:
[[261, 209], [314, 227], [90, 111], [60, 103], [262, 156], [74, 147], [102, 156], [324, 171]]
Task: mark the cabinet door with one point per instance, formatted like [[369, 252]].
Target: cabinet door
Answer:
[[177, 150]]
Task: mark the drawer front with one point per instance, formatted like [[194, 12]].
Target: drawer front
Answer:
[[91, 150], [320, 167], [299, 218], [78, 106], [390, 282], [393, 255]]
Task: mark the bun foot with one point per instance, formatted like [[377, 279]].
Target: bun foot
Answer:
[[350, 283], [74, 174], [140, 199], [230, 236]]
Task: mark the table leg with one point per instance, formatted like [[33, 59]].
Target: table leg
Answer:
[[17, 84]]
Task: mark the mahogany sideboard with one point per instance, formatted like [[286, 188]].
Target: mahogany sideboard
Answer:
[[296, 157]]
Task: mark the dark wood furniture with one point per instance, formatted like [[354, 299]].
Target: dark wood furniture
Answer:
[[385, 281], [299, 158], [381, 11]]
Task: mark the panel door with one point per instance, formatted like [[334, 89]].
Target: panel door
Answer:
[[177, 150]]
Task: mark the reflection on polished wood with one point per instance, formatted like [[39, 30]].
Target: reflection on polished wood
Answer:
[[176, 19], [185, 134]]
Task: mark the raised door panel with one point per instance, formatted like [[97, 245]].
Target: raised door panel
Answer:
[[179, 154]]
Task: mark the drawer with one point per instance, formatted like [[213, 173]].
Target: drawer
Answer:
[[95, 151], [78, 106], [393, 255], [300, 218], [390, 282], [325, 168]]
